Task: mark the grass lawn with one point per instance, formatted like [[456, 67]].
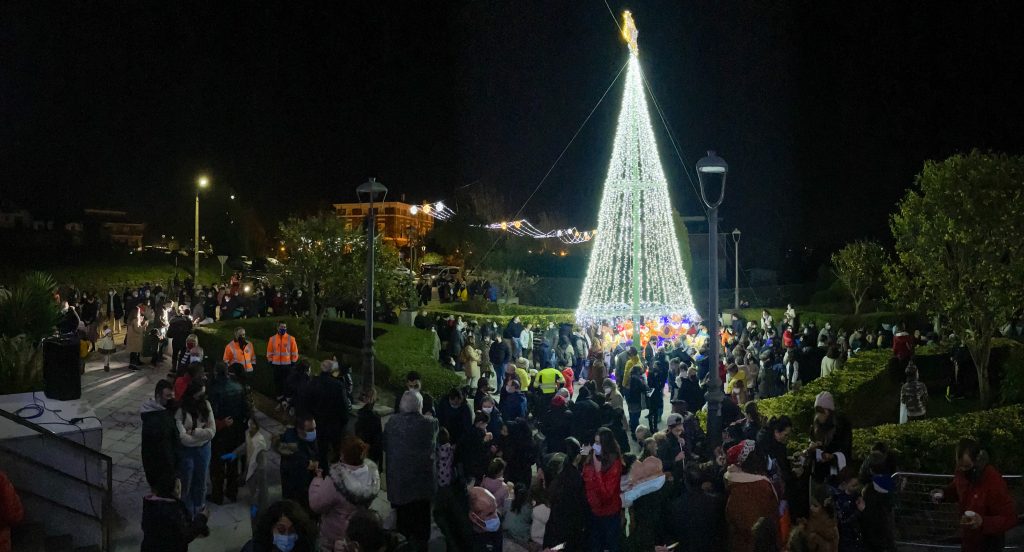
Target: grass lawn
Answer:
[[127, 270]]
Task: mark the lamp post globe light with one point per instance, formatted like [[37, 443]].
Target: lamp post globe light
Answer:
[[736, 265], [202, 181], [368, 192], [712, 167]]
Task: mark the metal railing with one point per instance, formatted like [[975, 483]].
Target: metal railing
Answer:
[[104, 516], [923, 524]]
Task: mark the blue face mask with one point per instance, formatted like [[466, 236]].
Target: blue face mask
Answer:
[[281, 331], [492, 525], [311, 436], [285, 543]]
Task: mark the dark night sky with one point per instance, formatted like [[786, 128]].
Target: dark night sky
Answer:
[[824, 110]]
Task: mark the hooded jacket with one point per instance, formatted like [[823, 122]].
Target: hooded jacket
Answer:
[[339, 495], [987, 495], [159, 441]]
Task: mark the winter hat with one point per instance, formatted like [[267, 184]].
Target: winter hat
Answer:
[[737, 454], [674, 419], [558, 401], [825, 400]]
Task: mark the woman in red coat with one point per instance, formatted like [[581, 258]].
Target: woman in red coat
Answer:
[[751, 495], [601, 477]]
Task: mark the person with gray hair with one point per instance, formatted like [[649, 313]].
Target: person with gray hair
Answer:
[[410, 445]]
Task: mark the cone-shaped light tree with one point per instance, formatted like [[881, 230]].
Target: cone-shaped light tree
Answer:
[[635, 270]]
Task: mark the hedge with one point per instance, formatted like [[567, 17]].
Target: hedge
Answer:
[[399, 349], [863, 390], [848, 322], [566, 316], [928, 445]]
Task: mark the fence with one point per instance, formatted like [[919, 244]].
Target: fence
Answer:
[[924, 525]]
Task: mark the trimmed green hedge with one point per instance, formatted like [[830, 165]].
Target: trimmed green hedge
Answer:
[[928, 445], [848, 322], [559, 317], [399, 349]]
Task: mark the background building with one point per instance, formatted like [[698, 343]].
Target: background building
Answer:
[[395, 222]]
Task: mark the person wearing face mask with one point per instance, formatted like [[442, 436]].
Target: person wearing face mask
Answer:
[[231, 413], [239, 351], [196, 429], [602, 473], [485, 524], [514, 403], [282, 354], [159, 436], [410, 452], [495, 422], [832, 440], [299, 459], [193, 353], [105, 345], [987, 510], [283, 527]]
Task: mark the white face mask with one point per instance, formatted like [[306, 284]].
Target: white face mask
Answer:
[[597, 449], [488, 409]]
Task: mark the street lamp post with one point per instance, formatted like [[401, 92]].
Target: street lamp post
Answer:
[[707, 167], [369, 190], [736, 265], [201, 182]]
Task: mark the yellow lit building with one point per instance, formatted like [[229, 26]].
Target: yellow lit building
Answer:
[[394, 219]]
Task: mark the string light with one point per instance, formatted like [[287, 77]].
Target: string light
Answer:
[[524, 228], [438, 210], [635, 200]]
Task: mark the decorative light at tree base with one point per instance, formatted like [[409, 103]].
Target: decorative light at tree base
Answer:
[[635, 269]]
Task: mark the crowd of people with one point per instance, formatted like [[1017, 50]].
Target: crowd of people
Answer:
[[558, 439]]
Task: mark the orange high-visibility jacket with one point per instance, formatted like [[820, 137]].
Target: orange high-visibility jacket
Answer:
[[233, 354], [282, 349]]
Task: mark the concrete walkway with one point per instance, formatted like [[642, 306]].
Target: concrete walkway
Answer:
[[117, 396]]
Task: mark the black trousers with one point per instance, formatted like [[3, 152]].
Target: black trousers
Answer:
[[413, 522], [281, 372], [223, 473]]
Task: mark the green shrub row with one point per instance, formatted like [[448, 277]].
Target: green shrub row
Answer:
[[848, 322], [928, 445], [563, 316], [399, 349]]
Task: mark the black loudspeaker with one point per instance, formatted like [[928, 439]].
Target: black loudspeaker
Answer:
[[62, 379]]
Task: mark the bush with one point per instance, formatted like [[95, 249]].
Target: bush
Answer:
[[848, 322], [928, 445], [537, 315], [1012, 384], [399, 349]]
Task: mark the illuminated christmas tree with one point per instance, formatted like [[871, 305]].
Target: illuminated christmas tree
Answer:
[[635, 270]]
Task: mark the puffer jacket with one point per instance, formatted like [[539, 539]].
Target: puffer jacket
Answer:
[[337, 496]]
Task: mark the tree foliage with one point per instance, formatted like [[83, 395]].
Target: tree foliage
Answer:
[[959, 249], [858, 266], [329, 262]]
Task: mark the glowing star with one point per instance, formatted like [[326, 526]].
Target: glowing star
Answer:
[[635, 269], [630, 32]]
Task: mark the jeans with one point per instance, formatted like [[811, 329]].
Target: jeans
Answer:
[[604, 533], [499, 375], [193, 468]]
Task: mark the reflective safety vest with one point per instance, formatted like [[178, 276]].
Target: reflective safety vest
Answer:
[[282, 349], [548, 379], [233, 354]]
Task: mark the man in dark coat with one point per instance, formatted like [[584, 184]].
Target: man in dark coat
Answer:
[[326, 400], [299, 454], [410, 442], [177, 330], [557, 425], [159, 437], [455, 416], [569, 508], [231, 414], [586, 417]]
